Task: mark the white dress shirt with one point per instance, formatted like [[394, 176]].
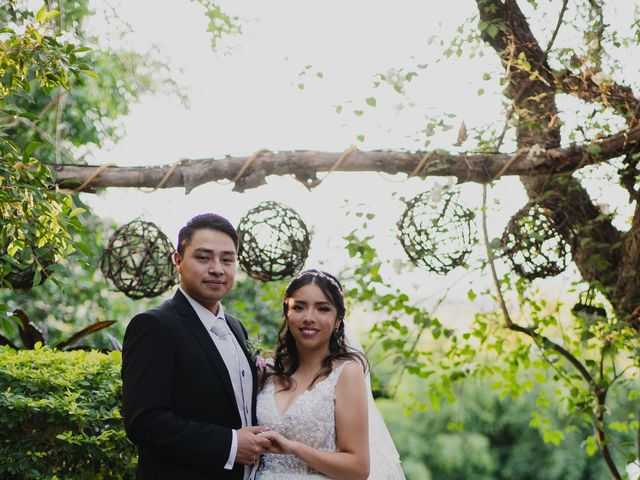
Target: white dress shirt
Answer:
[[237, 365]]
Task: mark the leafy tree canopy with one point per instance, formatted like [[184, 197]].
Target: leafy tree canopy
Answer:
[[564, 79], [62, 92]]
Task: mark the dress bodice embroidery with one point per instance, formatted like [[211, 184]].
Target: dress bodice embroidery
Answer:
[[309, 419]]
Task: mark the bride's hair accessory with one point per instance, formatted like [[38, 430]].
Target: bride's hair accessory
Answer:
[[317, 273]]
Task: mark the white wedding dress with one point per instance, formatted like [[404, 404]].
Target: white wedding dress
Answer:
[[310, 419]]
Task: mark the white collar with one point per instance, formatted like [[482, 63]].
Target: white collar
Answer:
[[206, 316]]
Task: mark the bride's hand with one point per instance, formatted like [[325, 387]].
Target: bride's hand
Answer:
[[279, 443]]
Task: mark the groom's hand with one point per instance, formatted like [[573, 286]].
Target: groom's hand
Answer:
[[279, 444], [251, 445]]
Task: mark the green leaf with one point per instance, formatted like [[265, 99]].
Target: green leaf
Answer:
[[41, 14], [619, 427], [590, 446], [8, 77], [37, 277], [358, 113], [29, 115], [29, 150], [90, 73], [360, 138], [553, 436], [50, 14], [76, 211], [371, 101], [13, 249]]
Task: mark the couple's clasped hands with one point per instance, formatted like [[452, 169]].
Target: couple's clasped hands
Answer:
[[256, 441]]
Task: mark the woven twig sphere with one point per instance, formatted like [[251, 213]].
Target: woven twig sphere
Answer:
[[533, 245], [274, 242], [436, 231], [23, 279], [138, 260]]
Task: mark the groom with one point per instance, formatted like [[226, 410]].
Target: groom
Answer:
[[189, 386]]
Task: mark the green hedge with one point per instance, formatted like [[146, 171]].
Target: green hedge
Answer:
[[60, 416]]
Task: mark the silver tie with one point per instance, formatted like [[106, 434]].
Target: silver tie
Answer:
[[220, 328]]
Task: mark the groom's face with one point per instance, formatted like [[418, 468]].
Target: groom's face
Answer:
[[207, 267]]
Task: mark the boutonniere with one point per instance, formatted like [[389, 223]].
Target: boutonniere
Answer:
[[261, 364], [254, 347]]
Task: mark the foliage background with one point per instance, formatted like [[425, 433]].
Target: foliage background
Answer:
[[416, 355]]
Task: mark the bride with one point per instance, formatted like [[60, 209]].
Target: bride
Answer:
[[315, 396]]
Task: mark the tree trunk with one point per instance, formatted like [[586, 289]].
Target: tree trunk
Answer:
[[606, 258]]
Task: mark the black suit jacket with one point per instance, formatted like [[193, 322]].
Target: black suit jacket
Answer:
[[178, 402]]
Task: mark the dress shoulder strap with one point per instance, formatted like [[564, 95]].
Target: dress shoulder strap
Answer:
[[335, 373]]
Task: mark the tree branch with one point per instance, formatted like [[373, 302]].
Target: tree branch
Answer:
[[543, 342], [523, 88], [509, 323], [45, 136], [59, 126], [609, 93], [305, 165]]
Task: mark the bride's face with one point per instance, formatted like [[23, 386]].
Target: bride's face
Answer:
[[311, 318]]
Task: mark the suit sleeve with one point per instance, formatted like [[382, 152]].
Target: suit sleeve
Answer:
[[148, 370]]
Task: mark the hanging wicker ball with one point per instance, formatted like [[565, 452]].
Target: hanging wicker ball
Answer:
[[274, 242], [138, 260], [532, 242], [436, 231], [23, 278]]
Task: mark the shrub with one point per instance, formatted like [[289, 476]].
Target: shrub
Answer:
[[60, 416]]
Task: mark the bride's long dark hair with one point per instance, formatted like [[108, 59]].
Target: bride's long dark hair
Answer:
[[286, 359]]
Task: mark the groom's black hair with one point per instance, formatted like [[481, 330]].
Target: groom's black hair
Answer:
[[212, 221]]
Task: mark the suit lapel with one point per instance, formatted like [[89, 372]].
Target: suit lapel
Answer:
[[234, 325], [236, 328], [195, 326]]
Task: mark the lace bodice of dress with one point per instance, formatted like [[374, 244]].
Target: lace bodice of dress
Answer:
[[310, 419]]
